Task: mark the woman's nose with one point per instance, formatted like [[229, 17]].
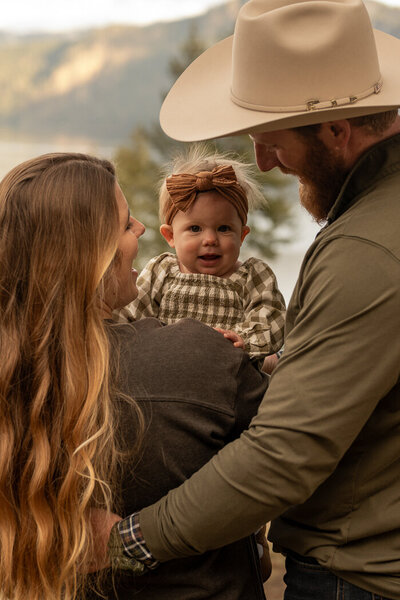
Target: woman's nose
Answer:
[[140, 229], [266, 159]]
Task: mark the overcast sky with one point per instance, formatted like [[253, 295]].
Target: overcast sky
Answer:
[[61, 15]]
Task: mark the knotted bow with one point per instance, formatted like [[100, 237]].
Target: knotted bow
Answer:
[[184, 187]]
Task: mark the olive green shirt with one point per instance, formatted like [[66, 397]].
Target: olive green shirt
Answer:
[[322, 456]]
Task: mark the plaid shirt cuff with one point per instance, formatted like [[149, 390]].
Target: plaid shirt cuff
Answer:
[[133, 541]]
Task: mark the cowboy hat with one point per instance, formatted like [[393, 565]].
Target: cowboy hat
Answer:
[[289, 63]]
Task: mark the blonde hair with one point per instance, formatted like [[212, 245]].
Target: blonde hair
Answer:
[[199, 158], [59, 229]]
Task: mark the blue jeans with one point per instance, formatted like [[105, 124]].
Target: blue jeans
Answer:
[[307, 580]]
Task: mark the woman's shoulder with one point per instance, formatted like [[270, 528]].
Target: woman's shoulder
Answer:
[[145, 325], [187, 346], [188, 337], [127, 335], [193, 332], [152, 326]]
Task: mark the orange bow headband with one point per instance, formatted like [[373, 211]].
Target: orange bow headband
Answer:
[[184, 187]]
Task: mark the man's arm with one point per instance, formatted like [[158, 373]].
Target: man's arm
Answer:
[[325, 383]]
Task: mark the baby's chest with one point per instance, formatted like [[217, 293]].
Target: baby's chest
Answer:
[[215, 305]]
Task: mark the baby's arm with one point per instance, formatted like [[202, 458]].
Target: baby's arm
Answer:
[[232, 336], [264, 311]]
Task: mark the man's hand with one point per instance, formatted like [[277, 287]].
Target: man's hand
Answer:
[[232, 336], [101, 522]]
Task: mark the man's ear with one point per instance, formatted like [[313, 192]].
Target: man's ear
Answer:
[[335, 134], [245, 231], [168, 234]]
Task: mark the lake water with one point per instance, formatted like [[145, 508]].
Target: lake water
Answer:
[[14, 151], [286, 265]]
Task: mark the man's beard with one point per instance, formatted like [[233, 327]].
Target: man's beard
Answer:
[[321, 179]]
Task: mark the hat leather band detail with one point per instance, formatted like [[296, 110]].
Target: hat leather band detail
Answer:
[[311, 104]]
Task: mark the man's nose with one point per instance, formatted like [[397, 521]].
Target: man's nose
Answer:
[[266, 159]]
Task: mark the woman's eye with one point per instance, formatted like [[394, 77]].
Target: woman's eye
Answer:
[[195, 228], [224, 228]]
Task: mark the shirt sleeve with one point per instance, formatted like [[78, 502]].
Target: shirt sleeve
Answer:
[[324, 390], [133, 542], [263, 327], [150, 284]]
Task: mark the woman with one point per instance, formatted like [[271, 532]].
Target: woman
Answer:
[[70, 442]]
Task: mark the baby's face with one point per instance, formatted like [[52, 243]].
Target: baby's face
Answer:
[[208, 237]]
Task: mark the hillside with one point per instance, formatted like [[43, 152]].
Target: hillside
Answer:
[[102, 83]]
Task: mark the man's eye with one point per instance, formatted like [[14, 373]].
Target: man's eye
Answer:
[[224, 228], [195, 228]]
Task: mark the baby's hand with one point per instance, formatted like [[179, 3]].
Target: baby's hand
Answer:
[[232, 336], [270, 363]]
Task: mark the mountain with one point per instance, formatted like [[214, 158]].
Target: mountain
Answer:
[[102, 83]]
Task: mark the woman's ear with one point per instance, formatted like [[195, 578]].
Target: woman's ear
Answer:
[[168, 234], [245, 231]]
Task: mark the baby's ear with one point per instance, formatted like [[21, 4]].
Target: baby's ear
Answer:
[[245, 231], [168, 234]]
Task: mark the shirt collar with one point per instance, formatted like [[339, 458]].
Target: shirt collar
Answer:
[[375, 164]]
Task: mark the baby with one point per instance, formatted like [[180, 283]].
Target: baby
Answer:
[[203, 210]]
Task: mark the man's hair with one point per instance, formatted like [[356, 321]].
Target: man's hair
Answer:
[[374, 124]]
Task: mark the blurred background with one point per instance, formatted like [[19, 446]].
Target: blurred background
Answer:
[[90, 76]]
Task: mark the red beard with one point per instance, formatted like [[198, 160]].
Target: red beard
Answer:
[[322, 178]]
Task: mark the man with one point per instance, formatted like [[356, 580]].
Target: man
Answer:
[[318, 92]]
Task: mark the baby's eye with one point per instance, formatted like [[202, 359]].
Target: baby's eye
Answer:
[[195, 228], [224, 228]]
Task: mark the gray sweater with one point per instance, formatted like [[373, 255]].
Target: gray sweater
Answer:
[[197, 392]]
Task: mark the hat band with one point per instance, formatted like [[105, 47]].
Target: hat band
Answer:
[[311, 104]]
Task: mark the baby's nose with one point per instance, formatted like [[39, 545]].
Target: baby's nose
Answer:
[[210, 238]]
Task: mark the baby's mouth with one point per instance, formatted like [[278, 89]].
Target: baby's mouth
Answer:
[[209, 257]]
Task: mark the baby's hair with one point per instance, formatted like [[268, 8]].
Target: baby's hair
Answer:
[[200, 157]]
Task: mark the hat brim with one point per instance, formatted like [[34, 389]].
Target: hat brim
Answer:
[[199, 106]]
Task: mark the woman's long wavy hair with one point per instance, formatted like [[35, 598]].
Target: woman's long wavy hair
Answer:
[[59, 230]]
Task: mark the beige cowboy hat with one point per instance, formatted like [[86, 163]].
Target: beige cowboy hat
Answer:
[[289, 63]]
